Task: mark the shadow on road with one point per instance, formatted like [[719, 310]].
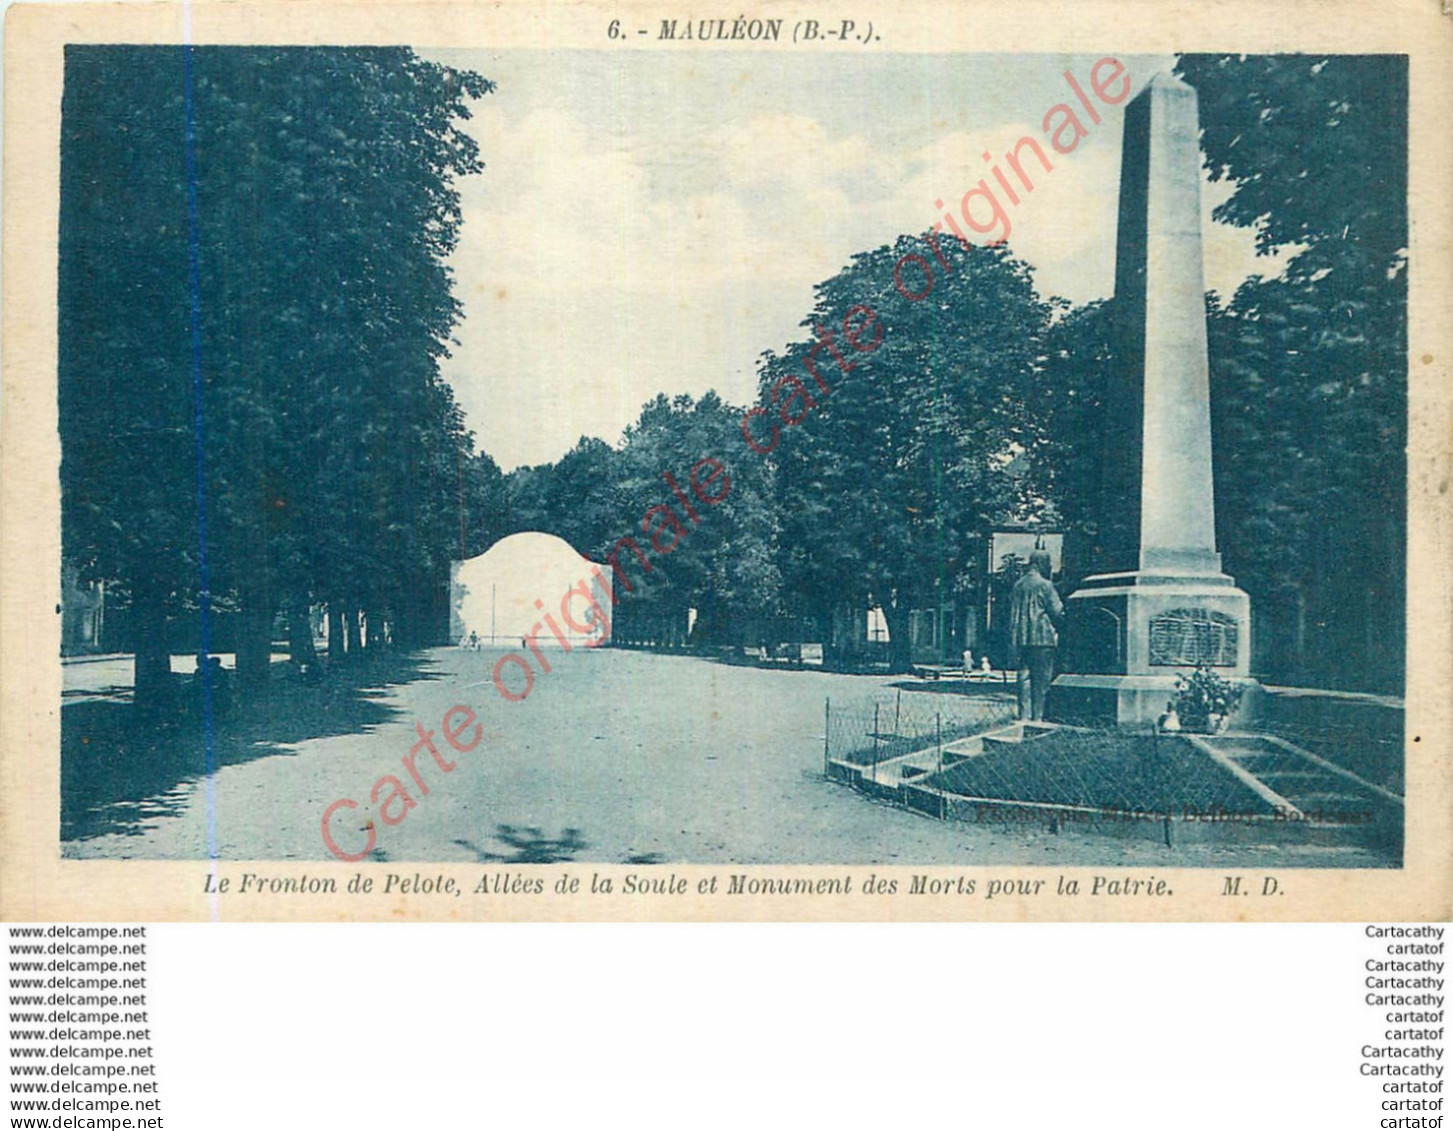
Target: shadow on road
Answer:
[[120, 768], [982, 689], [528, 846], [531, 846]]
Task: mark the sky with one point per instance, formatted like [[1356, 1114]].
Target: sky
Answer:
[[654, 221]]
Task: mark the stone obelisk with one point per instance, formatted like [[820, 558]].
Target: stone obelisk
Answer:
[[1157, 604]]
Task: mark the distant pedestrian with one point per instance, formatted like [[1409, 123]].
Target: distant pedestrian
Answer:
[[1035, 613], [212, 679]]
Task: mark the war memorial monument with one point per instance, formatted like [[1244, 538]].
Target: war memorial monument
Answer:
[[1157, 602]]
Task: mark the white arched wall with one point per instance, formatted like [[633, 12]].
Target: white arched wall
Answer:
[[495, 595]]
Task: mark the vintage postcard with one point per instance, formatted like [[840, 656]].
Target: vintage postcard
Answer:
[[545, 461]]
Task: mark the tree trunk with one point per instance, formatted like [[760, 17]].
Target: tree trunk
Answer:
[[254, 640], [898, 637], [300, 634], [153, 685], [1299, 638], [254, 622], [405, 622], [833, 650]]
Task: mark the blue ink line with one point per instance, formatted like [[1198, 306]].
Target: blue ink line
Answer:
[[204, 596]]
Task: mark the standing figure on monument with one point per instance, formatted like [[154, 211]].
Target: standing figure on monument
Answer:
[[1035, 613]]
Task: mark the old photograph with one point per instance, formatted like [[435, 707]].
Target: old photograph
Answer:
[[544, 456], [736, 444]]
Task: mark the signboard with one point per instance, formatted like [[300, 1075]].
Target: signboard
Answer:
[[1020, 544]]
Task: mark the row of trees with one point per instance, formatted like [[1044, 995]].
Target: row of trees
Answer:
[[254, 301], [879, 494], [725, 566], [253, 304]]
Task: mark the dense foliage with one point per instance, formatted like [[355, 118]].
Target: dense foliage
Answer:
[[888, 486], [722, 563], [253, 303], [1309, 370]]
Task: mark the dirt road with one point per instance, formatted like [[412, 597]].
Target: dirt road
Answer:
[[614, 757]]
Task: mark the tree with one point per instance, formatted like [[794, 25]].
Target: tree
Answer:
[[253, 302], [720, 563], [895, 468], [723, 566], [1070, 395], [1309, 377], [577, 498]]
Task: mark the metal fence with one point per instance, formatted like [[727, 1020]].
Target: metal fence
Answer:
[[866, 734]]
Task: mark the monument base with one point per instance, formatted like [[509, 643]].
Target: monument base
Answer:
[[1127, 636], [1131, 700]]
